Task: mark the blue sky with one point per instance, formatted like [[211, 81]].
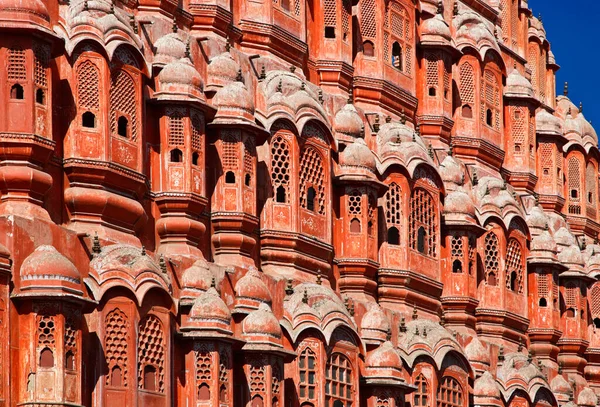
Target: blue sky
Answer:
[[573, 29]]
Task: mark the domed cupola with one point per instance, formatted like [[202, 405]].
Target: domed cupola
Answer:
[[234, 104], [46, 272], [25, 13], [221, 71], [374, 325], [478, 355], [250, 292], [209, 316], [459, 208], [543, 248], [587, 398], [571, 257], [435, 31], [384, 365], [517, 86], [261, 330], [168, 48], [561, 388], [358, 154], [195, 280], [347, 123], [179, 80], [486, 391], [548, 124]]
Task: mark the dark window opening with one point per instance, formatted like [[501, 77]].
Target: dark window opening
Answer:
[[223, 393], [176, 156], [489, 117], [70, 361], [467, 112], [338, 403], [368, 49], [280, 194], [247, 180], [370, 228], [590, 197], [596, 322], [285, 4], [491, 280], [571, 313], [517, 148], [457, 266], [204, 392], [46, 358], [421, 240], [513, 281], [446, 94], [355, 226], [40, 97], [543, 303], [88, 120], [574, 194], [581, 314], [310, 199], [16, 92], [397, 56], [149, 378], [195, 158], [329, 32], [393, 236], [122, 126], [229, 177], [546, 171], [116, 377], [432, 91], [257, 401]]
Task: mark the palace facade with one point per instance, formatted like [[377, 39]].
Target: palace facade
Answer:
[[293, 203]]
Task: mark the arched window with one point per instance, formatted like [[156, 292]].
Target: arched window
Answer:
[[368, 49], [338, 381], [204, 392], [368, 26], [450, 393], [542, 289], [229, 177], [46, 340], [393, 236], [591, 181], [397, 35], [574, 185], [312, 181], [594, 299], [422, 223], [151, 355], [491, 259], [307, 369], [46, 358], [88, 120], [393, 213], [514, 267], [69, 361], [571, 299], [467, 89], [123, 105], [123, 126], [88, 97], [491, 99], [195, 158], [330, 11], [355, 210], [176, 156], [116, 379], [421, 394], [16, 92], [280, 168], [457, 253], [247, 180], [40, 96], [489, 118]]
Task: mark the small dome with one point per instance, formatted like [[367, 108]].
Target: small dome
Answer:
[[234, 101], [451, 171], [587, 130], [357, 154], [196, 279], [169, 48], [546, 123], [47, 263], [435, 29], [348, 122], [486, 386], [35, 8], [587, 398], [563, 237], [571, 255], [559, 385], [222, 70], [375, 325], [210, 306], [543, 242], [459, 202], [181, 72], [385, 356], [518, 86], [537, 219], [262, 322], [476, 352], [251, 291]]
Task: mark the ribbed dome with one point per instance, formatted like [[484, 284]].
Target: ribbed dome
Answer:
[[477, 353], [546, 123], [435, 27], [169, 48], [234, 101], [181, 72], [459, 202], [262, 322], [357, 154], [385, 356], [35, 8], [486, 386], [560, 385], [563, 237], [210, 306], [543, 242], [451, 171], [222, 70], [197, 276], [47, 263], [587, 398], [537, 218], [518, 86], [571, 255], [251, 286], [348, 122]]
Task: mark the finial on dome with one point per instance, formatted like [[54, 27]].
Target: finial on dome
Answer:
[[388, 335], [424, 332], [569, 111], [289, 289], [133, 24], [162, 263], [475, 178], [320, 95], [349, 306], [85, 5], [580, 107], [376, 124], [539, 363], [454, 333], [430, 151], [450, 150], [520, 347], [174, 27], [263, 73], [388, 119], [442, 320], [402, 117], [143, 250], [415, 314], [440, 7], [455, 11], [418, 129], [566, 89], [213, 283], [292, 68], [402, 324], [540, 17], [350, 98], [529, 357], [227, 44], [303, 86], [417, 330], [187, 51], [319, 279], [112, 7], [96, 249], [560, 367], [501, 354], [239, 77], [305, 297], [583, 242], [279, 86]]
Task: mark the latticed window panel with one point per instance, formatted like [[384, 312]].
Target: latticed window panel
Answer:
[[224, 367], [151, 351], [559, 169], [546, 162], [574, 184], [534, 65], [491, 258], [355, 203], [257, 378], [70, 336], [491, 98], [312, 175], [505, 21], [456, 247], [16, 65], [519, 129], [346, 19], [123, 100], [595, 301], [276, 379], [116, 345], [542, 75], [368, 25], [338, 380], [176, 129], [383, 400], [393, 206], [467, 84], [450, 393], [514, 264], [542, 286], [372, 215], [398, 29], [432, 68], [41, 60], [280, 165], [307, 367], [421, 395], [571, 296], [249, 156], [230, 152], [330, 13], [197, 132], [422, 223], [591, 180], [88, 82], [46, 329], [514, 22], [531, 131], [203, 367]]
